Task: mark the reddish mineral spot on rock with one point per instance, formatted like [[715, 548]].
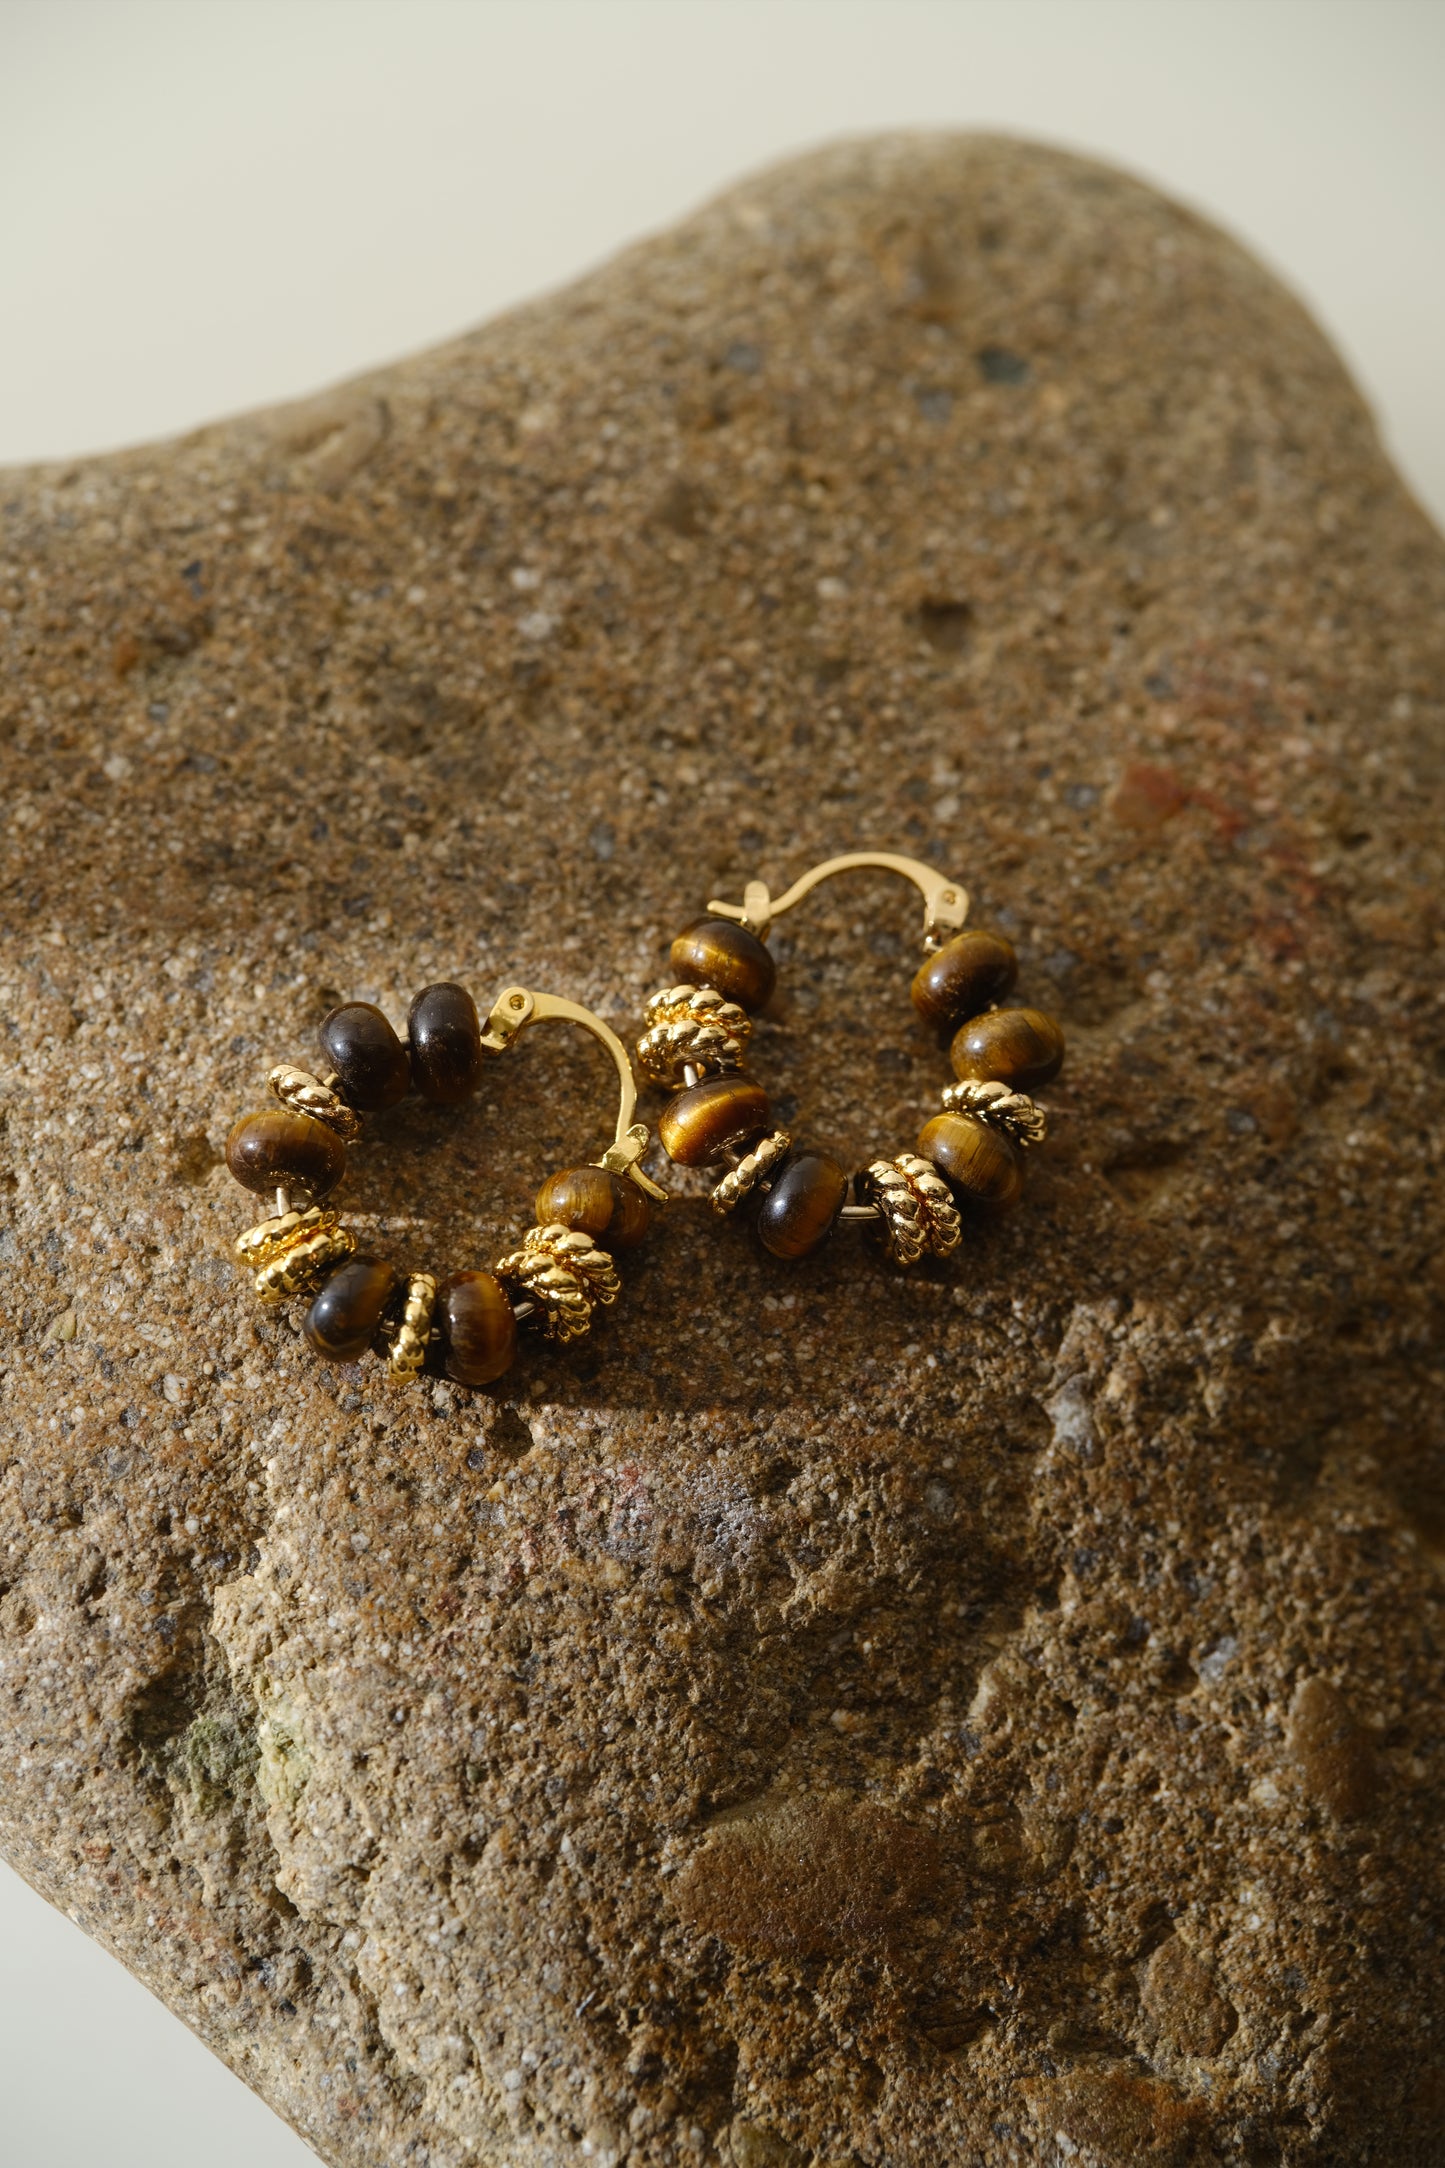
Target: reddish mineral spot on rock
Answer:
[[1146, 796]]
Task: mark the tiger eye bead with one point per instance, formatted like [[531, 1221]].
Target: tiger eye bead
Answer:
[[341, 1322], [367, 1055], [806, 1195], [446, 1044], [962, 977], [595, 1202], [701, 1122], [1020, 1047], [285, 1150], [715, 952], [478, 1327], [979, 1163]]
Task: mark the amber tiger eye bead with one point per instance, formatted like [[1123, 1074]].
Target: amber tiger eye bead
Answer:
[[595, 1202], [1021, 1047], [478, 1327], [281, 1149], [978, 1163], [804, 1199], [342, 1320], [964, 976], [700, 1123], [715, 952], [367, 1055], [446, 1044]]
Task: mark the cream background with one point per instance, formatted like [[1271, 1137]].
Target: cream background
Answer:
[[211, 204]]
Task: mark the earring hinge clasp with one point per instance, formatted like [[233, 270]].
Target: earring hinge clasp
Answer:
[[516, 1007], [945, 901]]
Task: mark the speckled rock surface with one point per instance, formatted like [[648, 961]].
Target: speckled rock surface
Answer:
[[830, 1717]]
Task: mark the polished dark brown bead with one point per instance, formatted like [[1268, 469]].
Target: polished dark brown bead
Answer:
[[979, 1163], [715, 952], [478, 1327], [701, 1123], [964, 976], [446, 1044], [1021, 1047], [803, 1201], [342, 1320], [596, 1202], [281, 1149], [367, 1055]]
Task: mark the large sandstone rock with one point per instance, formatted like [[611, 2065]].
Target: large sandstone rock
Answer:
[[833, 1717]]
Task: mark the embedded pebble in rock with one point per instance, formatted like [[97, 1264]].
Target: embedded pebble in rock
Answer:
[[827, 1715]]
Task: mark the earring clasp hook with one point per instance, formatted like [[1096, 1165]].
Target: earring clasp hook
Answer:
[[516, 1007], [945, 901]]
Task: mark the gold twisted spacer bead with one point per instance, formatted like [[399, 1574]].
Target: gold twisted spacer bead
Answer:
[[565, 1274], [1013, 1112], [754, 1167], [307, 1094], [269, 1237], [303, 1261], [692, 1027], [407, 1350], [916, 1211]]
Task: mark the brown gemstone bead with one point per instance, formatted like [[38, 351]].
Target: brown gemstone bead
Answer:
[[342, 1320], [715, 952], [596, 1202], [367, 1055], [478, 1327], [806, 1195], [978, 1163], [1021, 1047], [964, 976], [701, 1122], [446, 1044], [282, 1149]]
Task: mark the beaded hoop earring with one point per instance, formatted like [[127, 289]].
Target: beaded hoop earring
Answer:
[[467, 1325], [697, 1036]]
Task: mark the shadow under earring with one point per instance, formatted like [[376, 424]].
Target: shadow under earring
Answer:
[[970, 1152], [466, 1324]]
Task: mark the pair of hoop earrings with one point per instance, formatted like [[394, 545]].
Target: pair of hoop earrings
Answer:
[[695, 1041]]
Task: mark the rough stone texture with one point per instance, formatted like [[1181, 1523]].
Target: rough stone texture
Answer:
[[832, 1717]]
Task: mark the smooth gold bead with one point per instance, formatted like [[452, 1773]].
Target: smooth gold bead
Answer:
[[804, 1199], [281, 1149], [1021, 1047], [599, 1203], [716, 952], [700, 1124], [977, 1162], [964, 976]]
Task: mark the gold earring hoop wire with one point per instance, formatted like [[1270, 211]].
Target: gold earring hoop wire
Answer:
[[945, 901], [517, 1007]]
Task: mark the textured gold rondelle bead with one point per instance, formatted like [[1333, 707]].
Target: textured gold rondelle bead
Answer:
[[916, 1211], [1013, 1112], [407, 1351], [565, 1275], [307, 1094], [754, 1167], [303, 1263], [692, 1027], [259, 1244]]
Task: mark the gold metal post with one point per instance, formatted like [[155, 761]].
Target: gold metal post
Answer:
[[516, 1007]]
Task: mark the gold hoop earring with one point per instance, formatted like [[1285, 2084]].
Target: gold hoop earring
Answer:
[[970, 1153], [466, 1324]]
